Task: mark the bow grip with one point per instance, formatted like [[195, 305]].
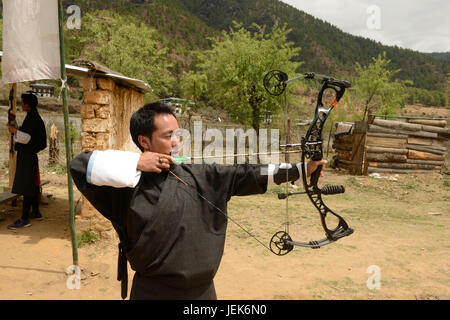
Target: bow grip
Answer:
[[329, 190]]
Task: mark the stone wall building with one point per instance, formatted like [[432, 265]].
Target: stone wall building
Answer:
[[109, 100]]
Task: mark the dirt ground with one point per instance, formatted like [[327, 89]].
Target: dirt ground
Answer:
[[401, 236]]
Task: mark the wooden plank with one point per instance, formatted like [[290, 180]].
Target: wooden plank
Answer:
[[382, 170], [347, 139], [436, 163], [435, 148], [343, 147], [399, 143], [412, 154], [344, 155], [377, 129], [371, 149], [386, 157], [388, 135], [425, 149], [434, 123], [398, 125], [435, 129], [358, 152], [412, 166], [6, 196], [425, 141]]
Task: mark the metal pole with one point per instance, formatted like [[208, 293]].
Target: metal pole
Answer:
[[67, 132]]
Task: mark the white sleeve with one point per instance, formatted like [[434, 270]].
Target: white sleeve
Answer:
[[113, 168], [22, 137], [272, 169]]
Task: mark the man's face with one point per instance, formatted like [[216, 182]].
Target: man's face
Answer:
[[25, 107], [163, 140]]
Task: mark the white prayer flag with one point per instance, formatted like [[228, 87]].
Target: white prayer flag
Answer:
[[30, 41]]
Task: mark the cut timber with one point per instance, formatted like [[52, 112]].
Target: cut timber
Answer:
[[347, 139], [435, 129], [425, 141], [412, 154], [386, 150], [387, 135], [382, 170], [344, 155], [436, 163], [397, 125], [343, 147], [412, 166], [377, 129], [434, 123], [436, 148], [425, 149], [386, 157], [387, 142]]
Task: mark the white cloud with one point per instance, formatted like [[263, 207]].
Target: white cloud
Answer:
[[418, 25]]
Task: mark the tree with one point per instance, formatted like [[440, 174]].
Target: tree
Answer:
[[133, 49], [375, 86], [235, 67]]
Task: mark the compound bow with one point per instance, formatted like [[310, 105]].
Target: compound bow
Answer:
[[275, 83]]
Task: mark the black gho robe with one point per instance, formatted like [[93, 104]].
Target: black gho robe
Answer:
[[27, 162], [173, 238]]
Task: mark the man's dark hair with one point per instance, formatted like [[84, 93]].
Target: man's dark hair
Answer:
[[142, 122], [30, 99]]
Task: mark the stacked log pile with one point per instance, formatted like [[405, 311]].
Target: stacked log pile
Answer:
[[411, 146], [349, 148]]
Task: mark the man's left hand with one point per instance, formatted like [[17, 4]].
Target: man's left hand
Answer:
[[313, 165]]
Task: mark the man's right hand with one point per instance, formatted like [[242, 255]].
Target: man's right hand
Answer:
[[154, 162]]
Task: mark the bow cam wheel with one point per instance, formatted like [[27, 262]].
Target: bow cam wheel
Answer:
[[274, 82], [279, 245]]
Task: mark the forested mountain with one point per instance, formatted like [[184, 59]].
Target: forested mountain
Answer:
[[325, 48], [186, 25], [445, 56]]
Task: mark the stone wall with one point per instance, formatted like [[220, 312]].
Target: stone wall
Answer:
[[105, 113]]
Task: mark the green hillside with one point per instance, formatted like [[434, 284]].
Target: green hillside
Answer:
[[185, 26], [325, 48]]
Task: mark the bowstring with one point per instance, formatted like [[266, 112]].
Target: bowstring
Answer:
[[220, 210], [287, 170]]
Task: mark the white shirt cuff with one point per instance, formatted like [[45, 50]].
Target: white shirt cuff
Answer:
[[22, 137], [113, 168]]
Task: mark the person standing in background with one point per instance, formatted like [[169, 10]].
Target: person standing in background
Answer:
[[30, 139]]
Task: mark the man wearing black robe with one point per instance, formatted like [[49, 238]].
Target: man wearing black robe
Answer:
[[30, 139], [170, 218]]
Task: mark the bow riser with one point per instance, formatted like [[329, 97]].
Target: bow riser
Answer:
[[311, 145]]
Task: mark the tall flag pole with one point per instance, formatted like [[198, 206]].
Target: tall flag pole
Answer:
[[67, 133]]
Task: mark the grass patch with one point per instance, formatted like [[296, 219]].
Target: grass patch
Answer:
[[86, 238], [58, 168]]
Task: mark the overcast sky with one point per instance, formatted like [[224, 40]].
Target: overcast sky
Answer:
[[421, 25]]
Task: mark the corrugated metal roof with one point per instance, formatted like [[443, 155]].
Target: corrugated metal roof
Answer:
[[95, 69]]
